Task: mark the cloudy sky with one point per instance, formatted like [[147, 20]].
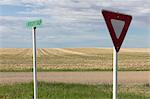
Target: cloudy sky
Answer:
[[71, 23]]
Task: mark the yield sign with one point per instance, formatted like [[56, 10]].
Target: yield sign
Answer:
[[118, 25]]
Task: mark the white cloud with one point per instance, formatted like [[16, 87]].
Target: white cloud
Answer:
[[70, 11], [23, 2], [73, 17], [89, 10]]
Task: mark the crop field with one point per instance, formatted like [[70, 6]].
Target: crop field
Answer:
[[74, 59], [72, 91], [71, 59]]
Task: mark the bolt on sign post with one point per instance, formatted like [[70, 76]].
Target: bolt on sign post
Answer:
[[33, 25], [117, 24]]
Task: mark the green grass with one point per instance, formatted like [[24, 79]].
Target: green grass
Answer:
[[67, 91], [68, 70], [54, 70]]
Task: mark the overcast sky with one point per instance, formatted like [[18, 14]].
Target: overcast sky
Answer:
[[71, 23]]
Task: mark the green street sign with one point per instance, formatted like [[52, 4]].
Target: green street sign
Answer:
[[34, 23]]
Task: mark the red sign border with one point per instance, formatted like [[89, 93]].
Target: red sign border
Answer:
[[108, 15]]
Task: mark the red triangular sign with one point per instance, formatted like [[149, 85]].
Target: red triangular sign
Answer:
[[118, 25]]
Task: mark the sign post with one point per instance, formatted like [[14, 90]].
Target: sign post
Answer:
[[33, 25], [34, 62], [115, 73], [117, 24]]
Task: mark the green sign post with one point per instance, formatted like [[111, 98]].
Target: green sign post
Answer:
[[33, 25]]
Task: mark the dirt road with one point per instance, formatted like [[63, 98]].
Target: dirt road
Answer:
[[77, 77]]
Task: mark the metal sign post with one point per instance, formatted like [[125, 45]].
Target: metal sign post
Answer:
[[33, 25], [117, 24], [115, 73], [34, 62]]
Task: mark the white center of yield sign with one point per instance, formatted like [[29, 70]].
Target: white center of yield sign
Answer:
[[118, 26]]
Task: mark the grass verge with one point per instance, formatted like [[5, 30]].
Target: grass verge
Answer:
[[72, 70], [64, 91], [52, 70]]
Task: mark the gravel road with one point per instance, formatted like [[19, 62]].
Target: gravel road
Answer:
[[140, 77]]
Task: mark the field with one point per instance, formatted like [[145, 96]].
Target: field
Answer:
[[53, 64], [74, 59], [72, 91]]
